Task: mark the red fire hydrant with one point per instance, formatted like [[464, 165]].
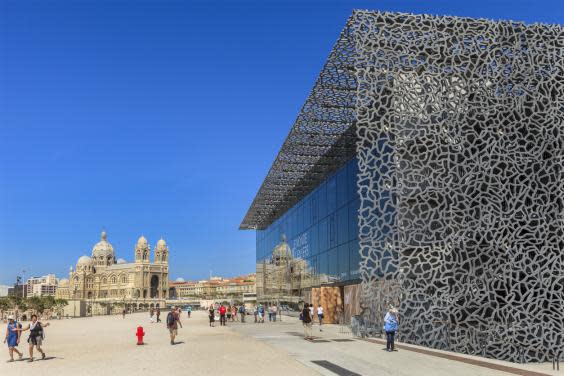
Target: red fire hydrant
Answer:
[[140, 334]]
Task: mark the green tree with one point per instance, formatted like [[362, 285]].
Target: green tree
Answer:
[[17, 302], [48, 302], [59, 306], [4, 305], [36, 304]]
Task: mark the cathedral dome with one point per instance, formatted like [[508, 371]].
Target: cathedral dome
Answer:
[[161, 244], [103, 248], [121, 261], [63, 282], [84, 260], [282, 251], [142, 242]]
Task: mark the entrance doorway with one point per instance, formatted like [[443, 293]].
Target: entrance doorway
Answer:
[[154, 286]]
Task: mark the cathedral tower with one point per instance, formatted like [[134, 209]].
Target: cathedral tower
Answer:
[[142, 250]]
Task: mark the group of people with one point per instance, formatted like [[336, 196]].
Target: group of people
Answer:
[[35, 339], [226, 313], [260, 313], [391, 323], [154, 315]]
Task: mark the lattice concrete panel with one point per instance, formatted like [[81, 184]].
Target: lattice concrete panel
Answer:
[[460, 149]]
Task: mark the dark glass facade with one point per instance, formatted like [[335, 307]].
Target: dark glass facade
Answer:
[[321, 229]]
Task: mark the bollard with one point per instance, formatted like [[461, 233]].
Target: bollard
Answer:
[[140, 333]]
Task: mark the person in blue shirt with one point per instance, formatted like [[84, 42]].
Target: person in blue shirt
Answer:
[[391, 321], [261, 313], [13, 338]]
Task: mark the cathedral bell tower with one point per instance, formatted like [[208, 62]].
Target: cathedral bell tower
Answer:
[[161, 252], [142, 250]]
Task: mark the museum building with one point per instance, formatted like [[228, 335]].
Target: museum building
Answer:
[[424, 172]]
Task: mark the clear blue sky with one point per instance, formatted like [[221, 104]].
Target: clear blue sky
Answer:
[[160, 118]]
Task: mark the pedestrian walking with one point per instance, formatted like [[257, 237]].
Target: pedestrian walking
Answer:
[[229, 313], [234, 313], [242, 313], [261, 314], [269, 313], [320, 316], [306, 321], [158, 314], [211, 314], [13, 338], [274, 312], [123, 313], [222, 312], [255, 313], [311, 312], [189, 311], [36, 336], [391, 321], [172, 322]]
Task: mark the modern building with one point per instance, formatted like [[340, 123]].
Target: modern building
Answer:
[[106, 283], [41, 286], [17, 290], [426, 167]]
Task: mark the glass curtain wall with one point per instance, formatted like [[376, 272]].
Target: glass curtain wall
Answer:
[[313, 243]]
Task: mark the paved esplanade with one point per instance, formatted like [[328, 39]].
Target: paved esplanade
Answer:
[[105, 345]]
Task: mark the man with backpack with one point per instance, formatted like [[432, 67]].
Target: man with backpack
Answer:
[[242, 313], [172, 322]]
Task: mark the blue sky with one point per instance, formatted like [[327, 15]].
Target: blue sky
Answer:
[[160, 118]]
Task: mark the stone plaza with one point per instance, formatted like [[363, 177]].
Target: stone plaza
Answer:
[[107, 345]]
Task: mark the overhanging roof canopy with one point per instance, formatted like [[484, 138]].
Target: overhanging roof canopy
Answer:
[[321, 140]]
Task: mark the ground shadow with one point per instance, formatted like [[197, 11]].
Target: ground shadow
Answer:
[[37, 359]]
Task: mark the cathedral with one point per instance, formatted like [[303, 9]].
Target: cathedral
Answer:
[[100, 278]]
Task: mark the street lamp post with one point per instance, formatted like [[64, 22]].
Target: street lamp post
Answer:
[[74, 303]]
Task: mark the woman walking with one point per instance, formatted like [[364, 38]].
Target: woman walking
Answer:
[[320, 316], [306, 320], [211, 314], [36, 336], [13, 338], [391, 321]]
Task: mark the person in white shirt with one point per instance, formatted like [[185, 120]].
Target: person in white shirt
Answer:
[[320, 316]]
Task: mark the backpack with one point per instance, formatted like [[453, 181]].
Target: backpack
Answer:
[[241, 309], [170, 319]]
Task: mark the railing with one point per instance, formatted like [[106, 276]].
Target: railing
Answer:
[[361, 328]]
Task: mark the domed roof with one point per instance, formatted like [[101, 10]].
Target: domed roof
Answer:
[[63, 282], [142, 242], [84, 260], [121, 261], [161, 244], [103, 248], [282, 251], [179, 279]]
